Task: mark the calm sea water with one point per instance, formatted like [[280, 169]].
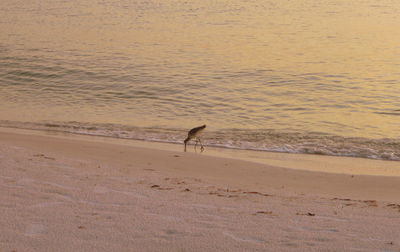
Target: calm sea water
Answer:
[[295, 76]]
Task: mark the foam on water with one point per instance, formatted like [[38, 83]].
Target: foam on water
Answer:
[[258, 140]]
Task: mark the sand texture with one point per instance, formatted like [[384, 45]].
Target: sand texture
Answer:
[[69, 194]]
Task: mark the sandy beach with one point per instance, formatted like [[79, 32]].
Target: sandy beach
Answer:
[[296, 102], [71, 193]]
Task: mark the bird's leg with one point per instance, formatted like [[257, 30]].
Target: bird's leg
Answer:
[[202, 147], [195, 145]]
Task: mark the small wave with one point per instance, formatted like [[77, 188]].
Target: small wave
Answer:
[[389, 113], [258, 140]]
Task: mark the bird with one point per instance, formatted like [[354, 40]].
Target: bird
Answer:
[[195, 134]]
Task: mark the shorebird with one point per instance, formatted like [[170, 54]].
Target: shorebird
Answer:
[[195, 134]]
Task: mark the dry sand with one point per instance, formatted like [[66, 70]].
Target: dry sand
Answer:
[[69, 193]]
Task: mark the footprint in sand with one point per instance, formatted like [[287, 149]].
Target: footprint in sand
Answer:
[[175, 181], [44, 156], [264, 212], [371, 203], [258, 193], [394, 206], [161, 188], [306, 214], [223, 194]]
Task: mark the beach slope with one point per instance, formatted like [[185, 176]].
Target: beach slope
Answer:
[[64, 193]]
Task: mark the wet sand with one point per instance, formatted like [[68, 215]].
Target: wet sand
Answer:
[[68, 193]]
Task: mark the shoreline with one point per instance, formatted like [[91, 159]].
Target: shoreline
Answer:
[[267, 140], [333, 176], [297, 161]]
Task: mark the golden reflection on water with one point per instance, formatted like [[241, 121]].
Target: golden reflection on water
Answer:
[[351, 47]]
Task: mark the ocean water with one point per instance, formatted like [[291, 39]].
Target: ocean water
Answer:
[[300, 76]]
